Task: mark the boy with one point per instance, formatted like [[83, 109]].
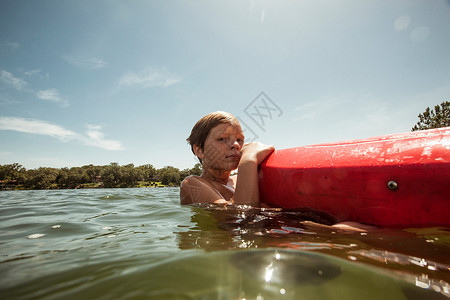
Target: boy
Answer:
[[218, 142]]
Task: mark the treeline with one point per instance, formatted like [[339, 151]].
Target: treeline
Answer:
[[15, 176]]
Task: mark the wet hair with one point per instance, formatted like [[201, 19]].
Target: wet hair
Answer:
[[201, 129]]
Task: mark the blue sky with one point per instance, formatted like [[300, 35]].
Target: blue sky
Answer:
[[94, 82]]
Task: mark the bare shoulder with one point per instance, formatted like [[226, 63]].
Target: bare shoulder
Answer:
[[187, 189], [195, 189], [193, 179]]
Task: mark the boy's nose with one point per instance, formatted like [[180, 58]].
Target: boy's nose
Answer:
[[235, 144]]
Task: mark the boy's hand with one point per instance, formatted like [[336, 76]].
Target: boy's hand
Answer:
[[256, 152]]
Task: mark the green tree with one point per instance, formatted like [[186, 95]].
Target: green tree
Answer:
[[196, 170], [184, 173], [13, 171], [169, 175], [439, 117], [72, 178], [62, 178], [129, 176], [147, 172], [111, 175], [42, 178], [93, 172]]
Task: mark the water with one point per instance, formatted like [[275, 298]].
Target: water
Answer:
[[141, 244]]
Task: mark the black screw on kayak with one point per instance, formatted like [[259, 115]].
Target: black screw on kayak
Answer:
[[392, 185]]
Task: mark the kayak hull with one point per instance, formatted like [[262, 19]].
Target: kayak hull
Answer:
[[394, 181]]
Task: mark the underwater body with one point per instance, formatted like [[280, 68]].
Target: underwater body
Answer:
[[141, 244]]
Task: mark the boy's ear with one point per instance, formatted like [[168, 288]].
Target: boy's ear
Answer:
[[198, 152]]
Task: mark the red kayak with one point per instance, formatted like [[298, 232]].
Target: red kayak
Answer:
[[399, 180]]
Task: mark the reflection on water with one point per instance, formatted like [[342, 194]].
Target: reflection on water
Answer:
[[419, 256], [141, 244], [286, 268]]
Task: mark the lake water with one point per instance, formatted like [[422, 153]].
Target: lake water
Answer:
[[141, 244]]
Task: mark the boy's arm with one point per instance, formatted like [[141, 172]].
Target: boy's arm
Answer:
[[247, 187]]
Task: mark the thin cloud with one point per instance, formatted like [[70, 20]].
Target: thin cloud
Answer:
[[12, 81], [37, 72], [402, 23], [36, 127], [92, 63], [52, 95], [314, 109], [32, 72], [94, 137], [13, 46], [149, 78]]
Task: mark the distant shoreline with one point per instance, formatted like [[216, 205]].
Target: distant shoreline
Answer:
[[10, 186], [16, 177]]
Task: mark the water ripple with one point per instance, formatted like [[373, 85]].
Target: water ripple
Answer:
[[140, 243]]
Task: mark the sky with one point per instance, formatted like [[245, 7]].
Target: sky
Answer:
[[95, 82]]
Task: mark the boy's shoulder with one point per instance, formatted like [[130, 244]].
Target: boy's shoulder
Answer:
[[190, 189], [196, 189], [191, 180]]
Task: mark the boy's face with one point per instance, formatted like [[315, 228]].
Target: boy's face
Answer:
[[222, 149]]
